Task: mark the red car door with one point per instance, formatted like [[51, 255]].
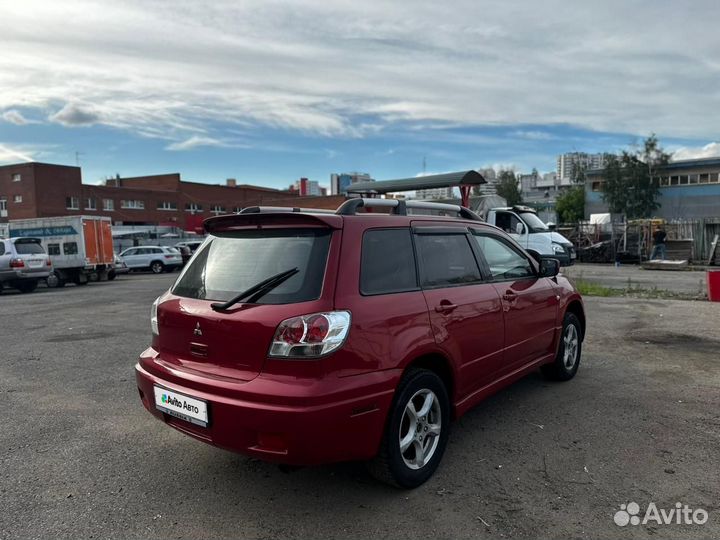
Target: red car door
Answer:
[[530, 303], [465, 312]]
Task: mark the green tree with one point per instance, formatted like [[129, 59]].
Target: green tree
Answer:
[[507, 187], [631, 182], [570, 205], [577, 173]]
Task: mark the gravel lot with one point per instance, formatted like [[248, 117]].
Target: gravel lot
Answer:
[[692, 283], [81, 457]]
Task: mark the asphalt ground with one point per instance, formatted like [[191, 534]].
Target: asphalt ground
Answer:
[[81, 458]]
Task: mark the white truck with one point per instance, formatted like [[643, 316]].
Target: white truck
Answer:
[[80, 247], [524, 225]]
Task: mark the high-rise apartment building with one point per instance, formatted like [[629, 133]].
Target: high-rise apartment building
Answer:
[[567, 162]]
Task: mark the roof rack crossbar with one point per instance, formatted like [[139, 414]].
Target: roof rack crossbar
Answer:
[[400, 207]]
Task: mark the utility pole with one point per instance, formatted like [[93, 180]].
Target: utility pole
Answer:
[[424, 165], [77, 157]]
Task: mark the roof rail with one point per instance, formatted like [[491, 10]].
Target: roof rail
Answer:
[[400, 207], [282, 209]]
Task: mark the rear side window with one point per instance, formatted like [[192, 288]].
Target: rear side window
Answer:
[[28, 248], [53, 249], [388, 262], [2, 248], [231, 264], [446, 260], [70, 248]]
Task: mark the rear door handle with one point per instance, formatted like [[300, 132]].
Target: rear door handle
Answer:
[[510, 296], [445, 307]]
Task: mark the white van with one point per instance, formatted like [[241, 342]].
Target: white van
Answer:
[[524, 225]]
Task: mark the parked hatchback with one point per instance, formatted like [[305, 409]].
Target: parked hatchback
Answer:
[[23, 263], [158, 259], [305, 338]]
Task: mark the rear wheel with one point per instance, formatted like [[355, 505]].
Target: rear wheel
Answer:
[[567, 359], [111, 275], [157, 267], [416, 433], [55, 281], [27, 286]]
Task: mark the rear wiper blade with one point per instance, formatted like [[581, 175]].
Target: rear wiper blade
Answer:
[[264, 286]]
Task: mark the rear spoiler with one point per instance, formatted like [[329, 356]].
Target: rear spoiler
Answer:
[[252, 218]]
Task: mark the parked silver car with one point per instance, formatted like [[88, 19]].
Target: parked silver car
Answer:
[[23, 262], [155, 258]]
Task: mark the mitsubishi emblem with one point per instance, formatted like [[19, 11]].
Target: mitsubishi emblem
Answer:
[[198, 330]]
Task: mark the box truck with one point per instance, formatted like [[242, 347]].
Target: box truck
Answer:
[[80, 247]]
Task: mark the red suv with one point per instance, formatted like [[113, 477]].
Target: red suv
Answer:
[[304, 337]]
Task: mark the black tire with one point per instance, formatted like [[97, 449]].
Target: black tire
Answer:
[[391, 465], [157, 267], [111, 275], [54, 281], [564, 367], [27, 286]]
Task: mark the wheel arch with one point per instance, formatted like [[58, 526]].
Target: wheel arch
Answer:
[[576, 308], [441, 366]]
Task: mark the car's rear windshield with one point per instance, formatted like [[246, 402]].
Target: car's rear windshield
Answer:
[[28, 247], [229, 265]]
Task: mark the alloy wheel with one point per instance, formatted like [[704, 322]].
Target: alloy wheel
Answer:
[[420, 429], [571, 341]]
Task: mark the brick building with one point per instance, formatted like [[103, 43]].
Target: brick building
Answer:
[[29, 190]]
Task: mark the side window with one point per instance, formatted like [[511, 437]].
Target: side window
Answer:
[[507, 221], [2, 248], [504, 261], [53, 249], [446, 259], [388, 262], [129, 252], [70, 248]]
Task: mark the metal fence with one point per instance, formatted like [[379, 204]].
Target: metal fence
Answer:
[[632, 241]]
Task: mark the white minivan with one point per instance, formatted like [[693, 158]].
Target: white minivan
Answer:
[[524, 225]]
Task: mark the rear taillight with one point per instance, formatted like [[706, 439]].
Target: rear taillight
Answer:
[[169, 256], [49, 262], [17, 263], [310, 336], [154, 317]]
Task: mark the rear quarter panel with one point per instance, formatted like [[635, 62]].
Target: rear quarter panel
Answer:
[[388, 331]]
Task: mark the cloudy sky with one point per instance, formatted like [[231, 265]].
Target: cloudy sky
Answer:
[[268, 91]]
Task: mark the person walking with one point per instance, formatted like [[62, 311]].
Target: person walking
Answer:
[[659, 237]]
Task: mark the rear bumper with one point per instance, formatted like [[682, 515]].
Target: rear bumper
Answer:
[[22, 274], [286, 420]]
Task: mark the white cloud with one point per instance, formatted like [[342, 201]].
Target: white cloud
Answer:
[[13, 155], [326, 67], [74, 114], [14, 117], [709, 150], [195, 141]]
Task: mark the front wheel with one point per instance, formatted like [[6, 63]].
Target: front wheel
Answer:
[[567, 360], [157, 267], [416, 433]]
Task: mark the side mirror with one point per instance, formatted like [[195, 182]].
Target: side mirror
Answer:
[[549, 267], [520, 229], [536, 256]]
